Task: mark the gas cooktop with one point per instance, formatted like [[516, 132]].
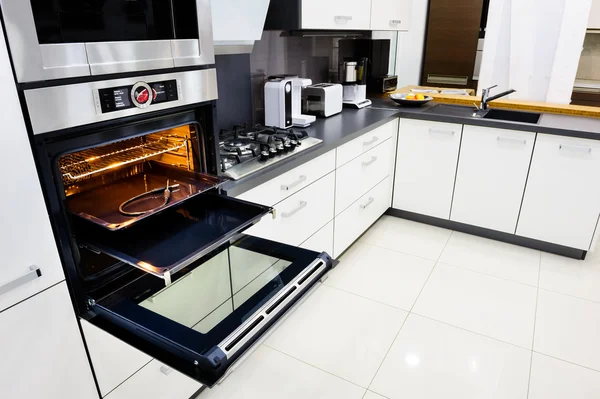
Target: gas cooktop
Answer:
[[245, 150]]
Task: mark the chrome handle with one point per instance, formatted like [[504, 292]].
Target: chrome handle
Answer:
[[343, 18], [286, 187], [369, 162], [166, 370], [511, 140], [395, 22], [441, 131], [372, 141], [34, 273], [369, 202], [291, 213], [575, 148]]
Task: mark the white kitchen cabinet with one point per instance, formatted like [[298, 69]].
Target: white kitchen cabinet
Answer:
[[301, 215], [113, 360], [562, 198], [359, 216], [156, 381], [43, 355], [22, 208], [594, 21], [491, 176], [336, 14], [426, 167], [321, 241], [391, 14], [352, 149]]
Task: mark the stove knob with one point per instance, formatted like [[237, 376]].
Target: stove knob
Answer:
[[293, 144], [264, 155], [280, 147], [272, 152], [287, 147]]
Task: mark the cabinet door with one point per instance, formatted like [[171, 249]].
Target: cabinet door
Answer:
[[492, 171], [426, 167], [391, 14], [336, 14], [42, 350], [594, 21], [562, 198], [321, 241], [22, 208]]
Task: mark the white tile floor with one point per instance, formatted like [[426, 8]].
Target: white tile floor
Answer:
[[419, 312]]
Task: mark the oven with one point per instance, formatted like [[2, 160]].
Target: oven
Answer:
[[154, 252], [55, 39]]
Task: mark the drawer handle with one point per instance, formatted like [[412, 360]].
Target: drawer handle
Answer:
[[511, 140], [166, 370], [34, 273], [395, 22], [294, 211], [369, 202], [342, 18], [372, 141], [575, 148], [287, 187], [369, 162], [441, 131]]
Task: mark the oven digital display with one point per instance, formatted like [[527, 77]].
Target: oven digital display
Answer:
[[119, 98]]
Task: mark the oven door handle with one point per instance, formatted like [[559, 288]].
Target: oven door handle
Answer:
[[34, 273]]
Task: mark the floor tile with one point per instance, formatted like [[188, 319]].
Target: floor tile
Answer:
[[572, 277], [409, 237], [487, 305], [432, 360], [568, 328], [381, 274], [492, 257], [554, 379], [339, 332], [373, 395], [268, 374]]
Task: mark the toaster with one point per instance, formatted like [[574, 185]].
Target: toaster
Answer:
[[322, 99]]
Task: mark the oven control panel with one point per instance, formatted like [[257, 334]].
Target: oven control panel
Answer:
[[138, 95]]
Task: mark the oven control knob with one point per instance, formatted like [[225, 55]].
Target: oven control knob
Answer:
[[141, 94]]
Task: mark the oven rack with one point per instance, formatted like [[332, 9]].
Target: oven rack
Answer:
[[96, 160]]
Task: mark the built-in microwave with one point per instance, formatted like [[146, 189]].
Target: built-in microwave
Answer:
[[56, 39]]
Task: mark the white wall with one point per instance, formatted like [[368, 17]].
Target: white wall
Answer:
[[411, 45], [534, 46]]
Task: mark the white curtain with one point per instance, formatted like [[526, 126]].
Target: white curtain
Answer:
[[534, 46]]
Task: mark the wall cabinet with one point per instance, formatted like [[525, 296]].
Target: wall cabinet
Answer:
[[491, 176], [426, 167], [336, 14], [562, 198], [594, 21], [42, 350], [391, 14]]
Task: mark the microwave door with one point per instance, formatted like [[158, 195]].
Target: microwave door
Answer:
[[207, 318]]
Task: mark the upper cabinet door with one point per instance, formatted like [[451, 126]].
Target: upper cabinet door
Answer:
[[391, 14], [492, 170], [594, 21], [562, 198], [336, 14]]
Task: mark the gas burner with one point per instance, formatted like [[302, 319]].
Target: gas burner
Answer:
[[236, 145]]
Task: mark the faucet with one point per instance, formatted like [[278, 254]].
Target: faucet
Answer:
[[485, 97]]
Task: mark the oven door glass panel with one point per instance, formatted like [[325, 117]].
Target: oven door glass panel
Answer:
[[219, 306]]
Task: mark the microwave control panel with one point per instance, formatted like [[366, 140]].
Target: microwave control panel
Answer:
[[140, 95]]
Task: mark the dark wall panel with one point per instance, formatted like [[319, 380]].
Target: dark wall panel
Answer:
[[234, 106]]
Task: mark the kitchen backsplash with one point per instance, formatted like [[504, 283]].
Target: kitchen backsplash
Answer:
[[589, 63]]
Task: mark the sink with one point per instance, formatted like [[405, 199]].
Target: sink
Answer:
[[514, 116], [451, 110]]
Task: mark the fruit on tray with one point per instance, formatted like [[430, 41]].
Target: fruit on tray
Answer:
[[418, 97]]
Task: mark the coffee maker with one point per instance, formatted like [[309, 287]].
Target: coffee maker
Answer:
[[378, 52], [353, 77]]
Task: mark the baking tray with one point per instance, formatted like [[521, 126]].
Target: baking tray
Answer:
[[101, 205]]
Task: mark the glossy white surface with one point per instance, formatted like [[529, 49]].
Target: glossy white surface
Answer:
[[568, 328], [391, 14], [555, 379], [381, 274], [321, 241], [572, 277], [492, 257], [408, 237], [484, 304], [431, 360], [336, 14], [369, 140], [340, 333], [372, 395], [270, 374]]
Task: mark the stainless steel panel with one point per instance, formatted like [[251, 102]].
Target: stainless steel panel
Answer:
[[186, 52], [117, 57], [61, 107], [33, 62], [205, 33], [243, 47]]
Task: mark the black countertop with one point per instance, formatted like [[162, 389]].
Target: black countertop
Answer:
[[350, 124]]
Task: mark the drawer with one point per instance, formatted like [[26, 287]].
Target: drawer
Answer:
[[113, 360], [156, 381], [281, 187], [301, 215], [361, 174], [364, 143], [355, 220], [321, 241]]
